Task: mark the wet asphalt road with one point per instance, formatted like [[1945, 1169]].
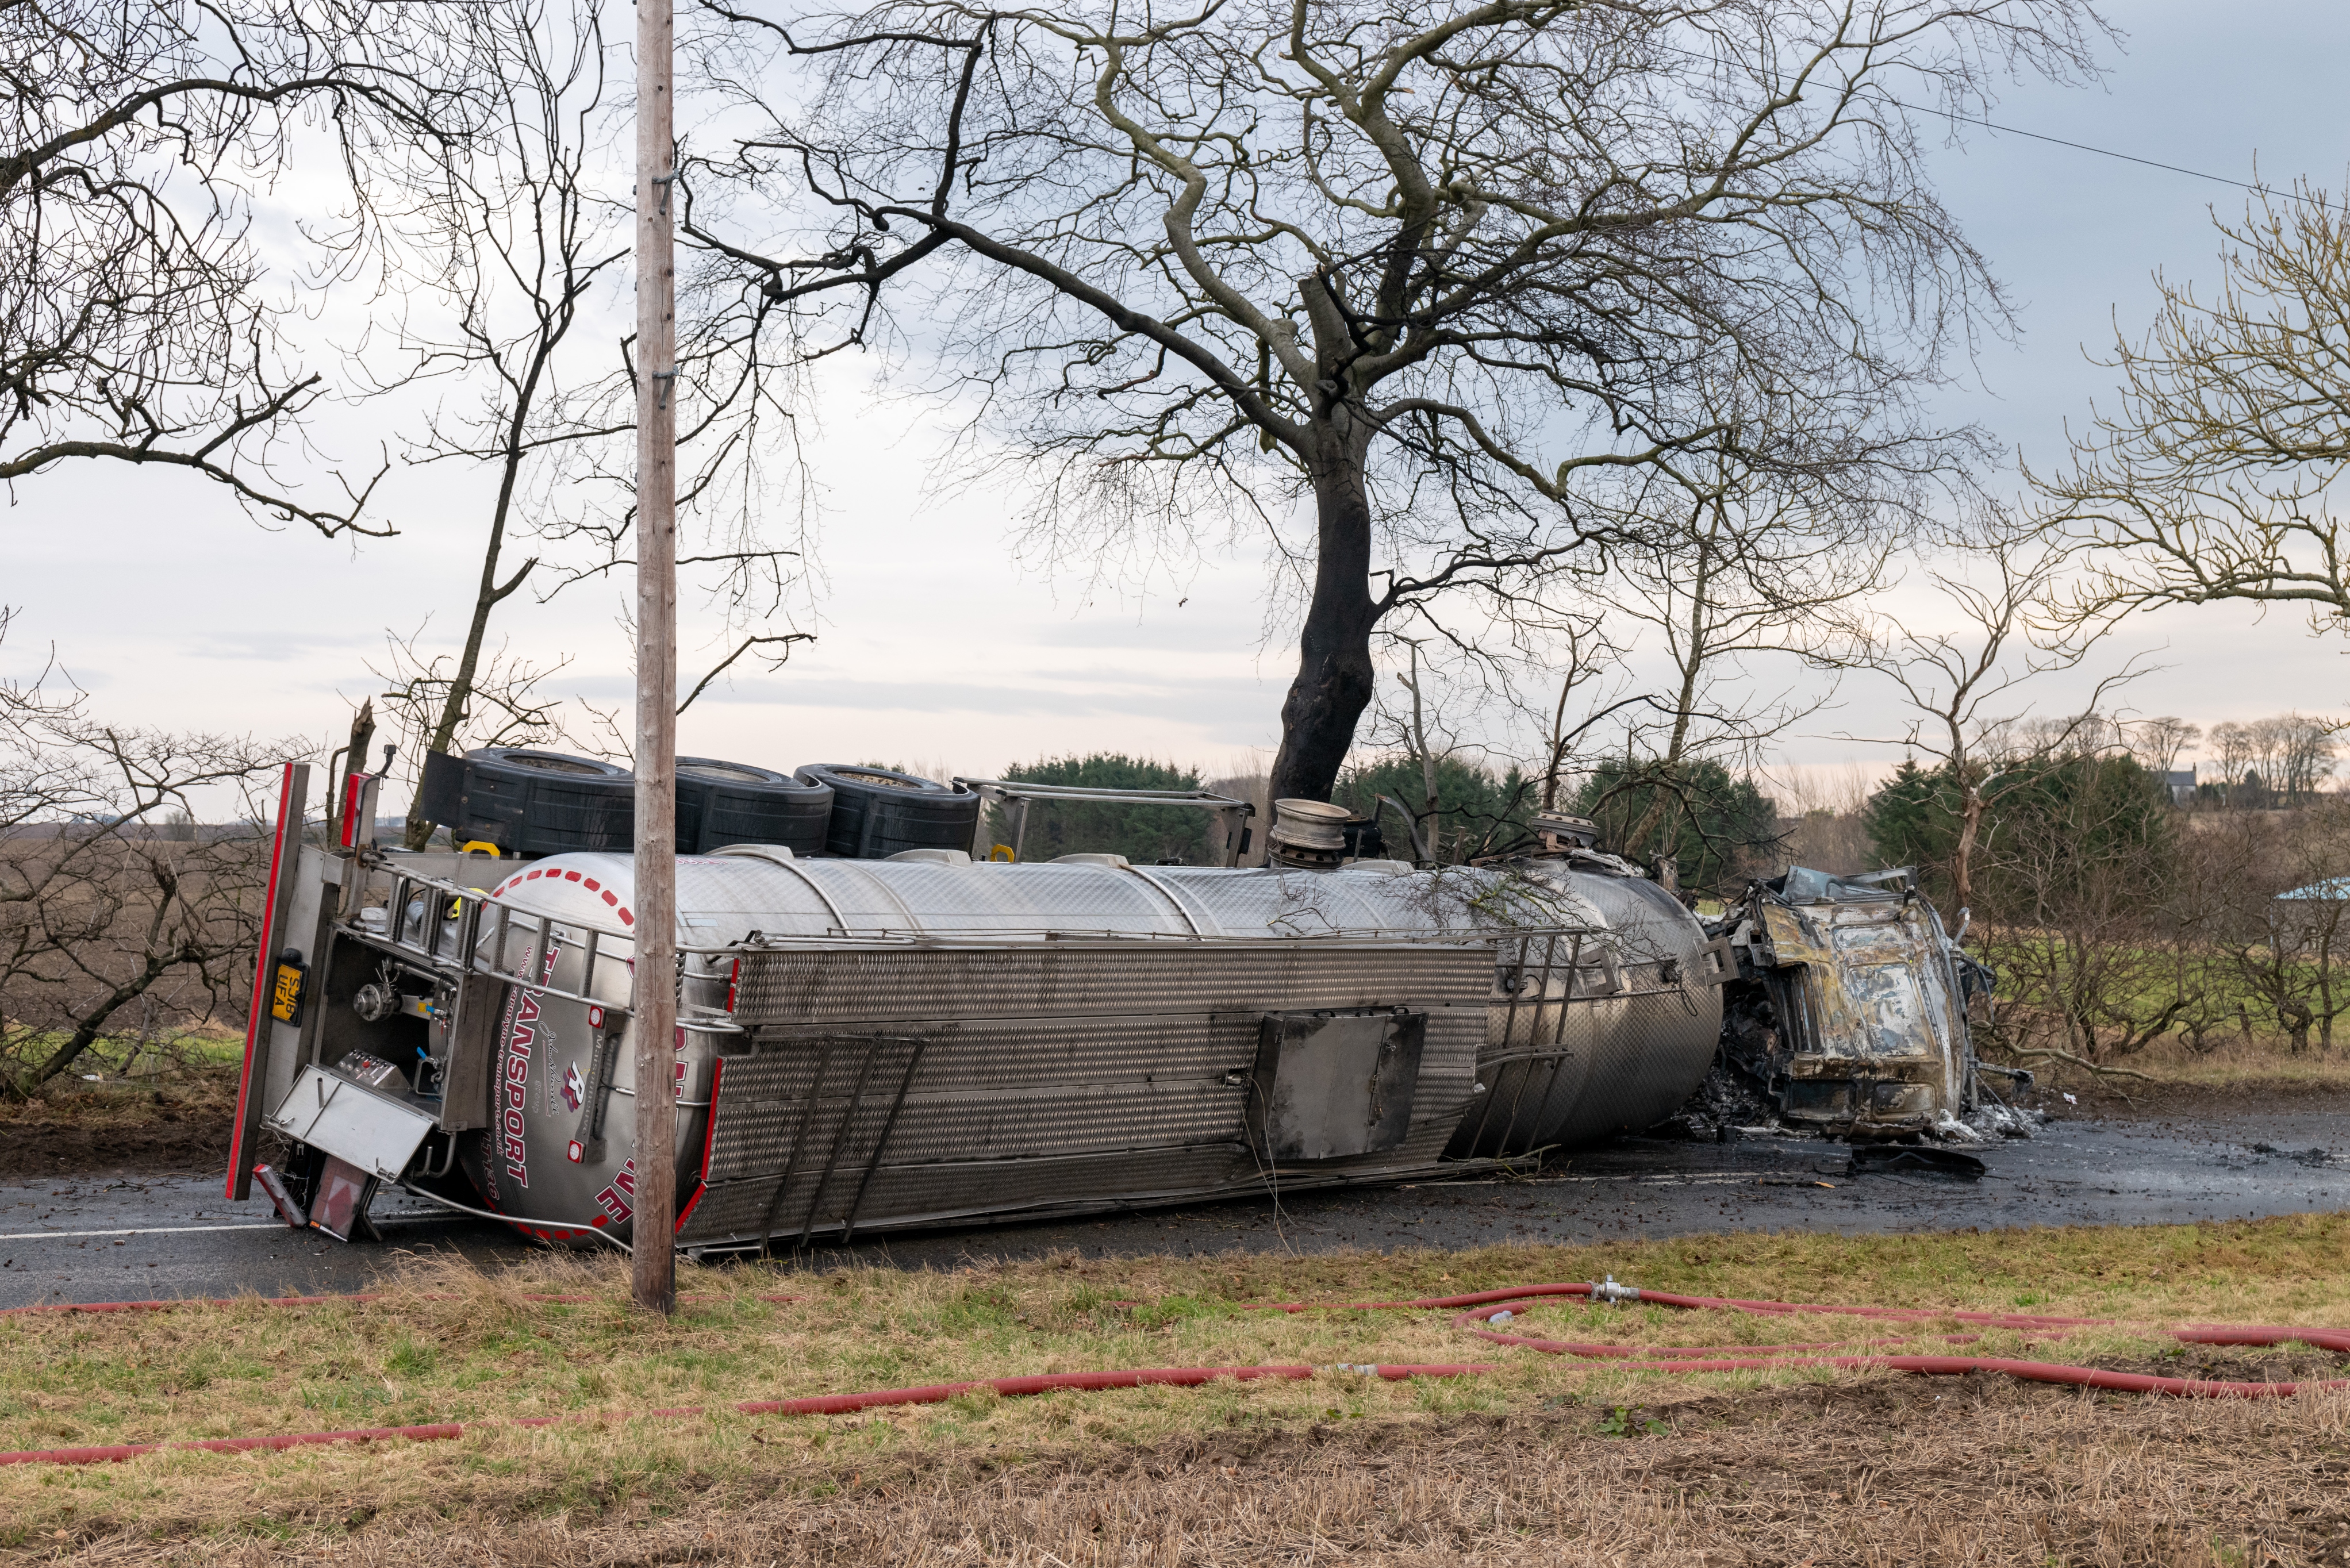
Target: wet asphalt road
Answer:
[[102, 1237]]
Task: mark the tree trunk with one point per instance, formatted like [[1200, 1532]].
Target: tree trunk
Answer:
[[93, 1023], [1334, 675], [1429, 814], [1557, 745], [1662, 797], [486, 598], [1970, 815]]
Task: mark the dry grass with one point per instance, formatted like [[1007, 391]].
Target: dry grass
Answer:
[[1874, 1474], [2255, 1062], [1505, 1468], [2258, 1069]]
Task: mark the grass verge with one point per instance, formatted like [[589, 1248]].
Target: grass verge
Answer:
[[451, 1343]]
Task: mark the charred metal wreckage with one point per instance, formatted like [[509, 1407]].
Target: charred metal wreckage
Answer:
[[880, 1031], [1848, 1011]]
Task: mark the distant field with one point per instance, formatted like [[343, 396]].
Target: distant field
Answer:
[[127, 1105]]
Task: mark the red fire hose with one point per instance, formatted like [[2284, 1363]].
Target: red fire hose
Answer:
[[1744, 1358], [1475, 1310], [301, 1301]]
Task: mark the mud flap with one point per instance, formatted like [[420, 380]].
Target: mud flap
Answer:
[[341, 1208], [288, 1208]]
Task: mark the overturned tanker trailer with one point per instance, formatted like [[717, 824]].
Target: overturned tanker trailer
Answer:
[[929, 1039]]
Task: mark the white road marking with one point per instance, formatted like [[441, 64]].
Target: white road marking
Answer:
[[1674, 1179], [185, 1230]]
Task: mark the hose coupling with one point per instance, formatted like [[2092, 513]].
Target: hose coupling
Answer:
[[1614, 1293]]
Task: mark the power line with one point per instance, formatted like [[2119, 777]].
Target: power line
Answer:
[[2040, 136], [2100, 151]]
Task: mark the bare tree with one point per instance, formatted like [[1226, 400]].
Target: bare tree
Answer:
[[138, 323], [523, 247], [1425, 272], [2235, 748], [1822, 815], [519, 245], [1412, 728], [506, 701], [2277, 761], [2159, 742], [1740, 562], [2298, 750], [2087, 871], [1961, 682], [2212, 477], [1582, 655], [116, 913], [2282, 922]]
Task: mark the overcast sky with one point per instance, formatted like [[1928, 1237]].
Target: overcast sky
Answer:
[[936, 650]]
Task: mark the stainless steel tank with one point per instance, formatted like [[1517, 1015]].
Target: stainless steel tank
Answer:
[[1596, 1032], [1605, 1019]]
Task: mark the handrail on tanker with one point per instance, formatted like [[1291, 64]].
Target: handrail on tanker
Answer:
[[455, 943], [1019, 795]]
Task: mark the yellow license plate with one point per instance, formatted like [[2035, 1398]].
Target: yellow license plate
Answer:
[[285, 995]]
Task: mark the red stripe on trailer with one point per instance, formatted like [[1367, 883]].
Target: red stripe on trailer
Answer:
[[263, 974], [609, 896], [709, 1127], [709, 1132]]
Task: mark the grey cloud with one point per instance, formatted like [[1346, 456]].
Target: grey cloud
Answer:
[[1198, 701]]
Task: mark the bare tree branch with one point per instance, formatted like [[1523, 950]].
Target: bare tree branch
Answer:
[[1412, 282], [138, 321], [774, 662]]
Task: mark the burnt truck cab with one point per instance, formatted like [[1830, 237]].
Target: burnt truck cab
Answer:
[[1848, 1009]]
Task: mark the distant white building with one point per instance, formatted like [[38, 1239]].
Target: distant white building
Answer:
[[2310, 919], [2182, 785]]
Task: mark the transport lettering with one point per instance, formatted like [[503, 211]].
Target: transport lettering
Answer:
[[522, 1034], [612, 1203]]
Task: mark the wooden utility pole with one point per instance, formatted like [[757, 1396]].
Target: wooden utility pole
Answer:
[[655, 1260]]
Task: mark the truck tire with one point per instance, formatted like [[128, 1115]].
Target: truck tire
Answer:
[[529, 801], [722, 802], [876, 812]]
